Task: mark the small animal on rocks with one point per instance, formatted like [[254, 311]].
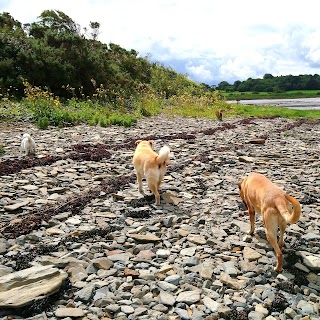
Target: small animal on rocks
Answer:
[[28, 145], [150, 165], [276, 207], [219, 114]]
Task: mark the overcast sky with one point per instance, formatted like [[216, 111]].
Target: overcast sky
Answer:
[[210, 41]]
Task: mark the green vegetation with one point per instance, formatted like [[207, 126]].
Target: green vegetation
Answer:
[[52, 74], [292, 94], [270, 111], [53, 53], [44, 109], [2, 150], [269, 83]]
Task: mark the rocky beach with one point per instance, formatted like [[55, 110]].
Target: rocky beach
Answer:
[[78, 241]]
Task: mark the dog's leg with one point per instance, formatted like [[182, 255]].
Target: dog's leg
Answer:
[[139, 180], [282, 227], [271, 232], [160, 180], [252, 216], [154, 190]]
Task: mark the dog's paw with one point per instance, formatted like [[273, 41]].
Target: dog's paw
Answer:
[[154, 206]]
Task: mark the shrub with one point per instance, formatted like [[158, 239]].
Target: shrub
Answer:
[[123, 120], [2, 150], [43, 123], [104, 122]]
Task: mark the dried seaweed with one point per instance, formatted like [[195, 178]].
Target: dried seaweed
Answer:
[[16, 165], [99, 151], [23, 259], [73, 204], [279, 303], [238, 315]]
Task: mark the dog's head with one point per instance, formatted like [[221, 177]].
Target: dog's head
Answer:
[[144, 142], [25, 135]]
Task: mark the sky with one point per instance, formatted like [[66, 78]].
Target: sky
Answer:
[[208, 40]]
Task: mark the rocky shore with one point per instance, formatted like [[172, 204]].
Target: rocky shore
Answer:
[[78, 241]]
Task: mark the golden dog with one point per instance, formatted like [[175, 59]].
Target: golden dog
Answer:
[[262, 196], [150, 165], [219, 114]]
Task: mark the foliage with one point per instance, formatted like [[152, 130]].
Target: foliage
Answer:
[[53, 53], [54, 74], [269, 83], [14, 111], [189, 105], [2, 150], [123, 120], [293, 94], [271, 111]]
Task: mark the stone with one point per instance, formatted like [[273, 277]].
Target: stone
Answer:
[[16, 206], [21, 288], [166, 298], [69, 312], [188, 297], [144, 237], [251, 254]]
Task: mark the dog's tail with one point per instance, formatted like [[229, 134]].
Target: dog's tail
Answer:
[[294, 216], [163, 156]]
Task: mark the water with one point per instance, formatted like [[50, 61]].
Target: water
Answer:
[[299, 104]]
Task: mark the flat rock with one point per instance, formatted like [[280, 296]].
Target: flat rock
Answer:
[[16, 206], [21, 288], [144, 237]]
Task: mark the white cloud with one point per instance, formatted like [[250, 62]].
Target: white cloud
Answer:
[[210, 40], [200, 72]]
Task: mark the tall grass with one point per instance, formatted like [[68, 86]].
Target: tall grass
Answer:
[[292, 94], [44, 109], [270, 111]]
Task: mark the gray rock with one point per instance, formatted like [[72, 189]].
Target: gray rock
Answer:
[[21, 288]]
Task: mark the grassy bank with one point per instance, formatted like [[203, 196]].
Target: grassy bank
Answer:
[[44, 109], [270, 111], [294, 94]]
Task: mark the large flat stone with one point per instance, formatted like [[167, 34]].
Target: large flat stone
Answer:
[[21, 288]]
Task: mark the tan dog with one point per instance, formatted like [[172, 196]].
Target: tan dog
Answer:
[[150, 165], [219, 114], [262, 196]]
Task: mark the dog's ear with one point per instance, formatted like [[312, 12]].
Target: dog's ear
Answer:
[[137, 142], [239, 184], [150, 142]]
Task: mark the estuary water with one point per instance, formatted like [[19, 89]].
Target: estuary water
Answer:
[[300, 104]]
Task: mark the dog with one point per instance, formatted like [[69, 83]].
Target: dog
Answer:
[[219, 114], [150, 165], [277, 209], [28, 145]]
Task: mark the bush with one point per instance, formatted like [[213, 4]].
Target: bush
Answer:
[[123, 120], [2, 150], [104, 122], [43, 123]]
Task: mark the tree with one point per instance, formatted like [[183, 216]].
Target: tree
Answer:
[[95, 26], [224, 85], [236, 85], [268, 76]]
